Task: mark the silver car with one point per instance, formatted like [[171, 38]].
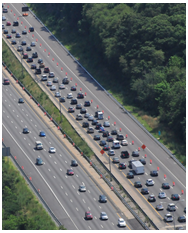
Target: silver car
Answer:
[[82, 188], [90, 130], [49, 83], [87, 115], [69, 96], [106, 124], [51, 74], [52, 150], [162, 195], [57, 94], [159, 207], [104, 216], [79, 117], [53, 88], [61, 86], [91, 118], [111, 152], [171, 207]]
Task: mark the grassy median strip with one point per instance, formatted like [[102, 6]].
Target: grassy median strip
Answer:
[[15, 66]]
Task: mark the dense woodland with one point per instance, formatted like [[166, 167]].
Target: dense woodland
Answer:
[[143, 46]]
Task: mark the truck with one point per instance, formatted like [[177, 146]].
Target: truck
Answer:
[[100, 115], [138, 167], [116, 144], [38, 145]]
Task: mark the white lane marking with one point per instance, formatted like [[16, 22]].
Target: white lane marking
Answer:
[[78, 193], [30, 119], [17, 116], [40, 175], [21, 121], [44, 149], [35, 125], [89, 208], [60, 155], [65, 161], [34, 137], [16, 127], [62, 187], [66, 194], [102, 226], [26, 114], [50, 156], [50, 142], [73, 186], [94, 199], [54, 177], [66, 176], [4, 111], [88, 191], [100, 207], [22, 109], [13, 110], [11, 121], [77, 209], [76, 175], [60, 169], [24, 138], [112, 223], [89, 227], [55, 162], [7, 116], [95, 217], [83, 200], [49, 169], [70, 200]]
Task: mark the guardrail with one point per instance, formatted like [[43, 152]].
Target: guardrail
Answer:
[[35, 189], [130, 115], [94, 166]]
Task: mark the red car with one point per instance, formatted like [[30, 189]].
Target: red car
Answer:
[[25, 56], [88, 215], [46, 70], [8, 23], [70, 172], [80, 96], [9, 36]]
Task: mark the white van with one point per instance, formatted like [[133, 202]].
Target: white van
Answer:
[[116, 144], [39, 145]]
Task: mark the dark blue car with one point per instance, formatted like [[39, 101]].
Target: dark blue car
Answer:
[[42, 134]]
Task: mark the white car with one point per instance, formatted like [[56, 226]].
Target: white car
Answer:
[[168, 217], [53, 88], [121, 222], [69, 96], [171, 207], [44, 77], [49, 83], [61, 86], [79, 117], [91, 118], [82, 188], [57, 94], [111, 152], [52, 150], [51, 75], [106, 124], [149, 182], [162, 195], [124, 142], [103, 216]]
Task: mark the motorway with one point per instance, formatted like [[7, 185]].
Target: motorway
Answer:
[[60, 190], [154, 152]]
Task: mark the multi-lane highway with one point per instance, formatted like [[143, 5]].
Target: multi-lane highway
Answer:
[[59, 190], [61, 63]]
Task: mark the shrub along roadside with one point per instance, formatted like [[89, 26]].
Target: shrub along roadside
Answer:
[[15, 66]]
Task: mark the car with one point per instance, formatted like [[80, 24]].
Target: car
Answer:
[[9, 36], [25, 56], [159, 207], [102, 143], [52, 149], [34, 55], [82, 188], [42, 134], [69, 96], [20, 100], [165, 185], [62, 99], [28, 48], [124, 142], [33, 66], [80, 95], [175, 196], [74, 163], [41, 65], [102, 198], [87, 103], [130, 162], [88, 215], [79, 106], [120, 137], [185, 209], [39, 161], [73, 101], [102, 129], [24, 32], [5, 10], [94, 122], [90, 130], [179, 228], [149, 182], [44, 78], [29, 59], [98, 125], [32, 44], [18, 35], [38, 71], [57, 94], [121, 222], [31, 29], [162, 195], [61, 86], [106, 124], [55, 80], [106, 134], [115, 160], [3, 26], [15, 23], [8, 23], [5, 31], [53, 88], [85, 124], [25, 130], [41, 61], [168, 218], [4, 18], [106, 147], [87, 115], [49, 83], [137, 184], [6, 81], [83, 110], [96, 137], [65, 81], [135, 153], [79, 117], [73, 88], [13, 31], [125, 154], [130, 175], [91, 118], [111, 152], [103, 216], [70, 172], [151, 198], [154, 173], [182, 219], [114, 132], [19, 48], [110, 139], [171, 207], [122, 165], [51, 74], [71, 109], [143, 161], [144, 191]]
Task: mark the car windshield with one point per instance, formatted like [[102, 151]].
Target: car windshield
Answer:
[[121, 220]]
